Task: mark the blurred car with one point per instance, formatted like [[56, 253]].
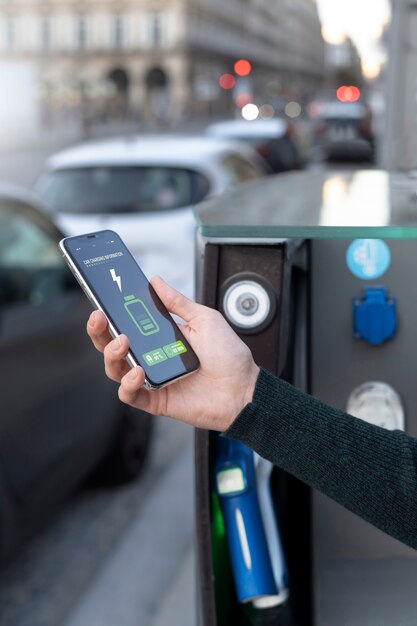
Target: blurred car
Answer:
[[343, 130], [274, 139], [61, 419], [143, 188]]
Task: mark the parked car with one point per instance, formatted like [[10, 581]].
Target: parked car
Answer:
[[60, 419], [344, 131], [274, 139], [143, 188]]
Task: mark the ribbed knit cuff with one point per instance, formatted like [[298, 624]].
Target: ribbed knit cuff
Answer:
[[274, 402], [246, 420]]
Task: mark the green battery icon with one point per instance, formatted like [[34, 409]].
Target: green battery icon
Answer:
[[141, 316]]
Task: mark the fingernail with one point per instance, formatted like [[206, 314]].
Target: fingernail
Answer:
[[133, 373], [115, 345]]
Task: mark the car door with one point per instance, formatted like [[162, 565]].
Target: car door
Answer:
[[58, 412]]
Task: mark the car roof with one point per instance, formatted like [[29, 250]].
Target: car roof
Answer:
[[8, 191], [146, 150], [29, 203], [275, 127]]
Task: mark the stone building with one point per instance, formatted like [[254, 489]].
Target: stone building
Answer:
[[160, 59]]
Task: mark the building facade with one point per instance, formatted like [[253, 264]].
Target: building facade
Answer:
[[154, 59]]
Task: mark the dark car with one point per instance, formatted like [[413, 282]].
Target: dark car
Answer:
[[344, 131], [274, 139], [60, 418]]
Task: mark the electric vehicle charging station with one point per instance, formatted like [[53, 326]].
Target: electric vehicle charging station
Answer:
[[316, 273]]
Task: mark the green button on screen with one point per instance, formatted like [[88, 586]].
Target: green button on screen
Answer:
[[174, 349], [163, 354], [155, 356]]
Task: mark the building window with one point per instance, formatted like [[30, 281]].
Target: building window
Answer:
[[10, 33], [156, 30], [82, 32], [118, 31], [45, 33]]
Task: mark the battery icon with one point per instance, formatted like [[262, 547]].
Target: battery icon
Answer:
[[141, 316]]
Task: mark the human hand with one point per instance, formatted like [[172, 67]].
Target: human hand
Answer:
[[210, 398]]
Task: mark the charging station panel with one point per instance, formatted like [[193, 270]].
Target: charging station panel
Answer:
[[343, 329], [359, 571]]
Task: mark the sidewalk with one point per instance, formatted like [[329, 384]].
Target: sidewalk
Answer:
[[149, 578]]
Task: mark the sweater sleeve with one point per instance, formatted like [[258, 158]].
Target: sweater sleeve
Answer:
[[369, 470]]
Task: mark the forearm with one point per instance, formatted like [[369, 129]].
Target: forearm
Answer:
[[367, 469]]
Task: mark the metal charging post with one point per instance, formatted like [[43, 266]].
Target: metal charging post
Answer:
[[314, 271]]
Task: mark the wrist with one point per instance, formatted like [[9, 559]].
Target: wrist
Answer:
[[251, 384], [241, 400]]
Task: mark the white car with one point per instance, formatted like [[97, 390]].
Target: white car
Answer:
[[144, 188]]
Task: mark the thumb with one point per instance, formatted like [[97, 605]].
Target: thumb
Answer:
[[175, 301]]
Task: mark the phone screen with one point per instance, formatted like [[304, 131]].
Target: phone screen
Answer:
[[132, 306]]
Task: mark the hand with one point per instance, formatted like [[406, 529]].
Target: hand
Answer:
[[210, 398]]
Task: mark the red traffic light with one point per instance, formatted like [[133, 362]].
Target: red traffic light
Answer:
[[242, 67]]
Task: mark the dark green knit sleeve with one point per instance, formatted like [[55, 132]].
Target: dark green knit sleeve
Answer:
[[367, 469]]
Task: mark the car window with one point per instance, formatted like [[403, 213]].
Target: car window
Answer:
[[122, 189], [31, 266], [239, 170]]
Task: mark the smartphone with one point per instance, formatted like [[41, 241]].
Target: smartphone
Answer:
[[115, 284]]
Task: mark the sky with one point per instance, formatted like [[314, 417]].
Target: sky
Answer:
[[362, 20]]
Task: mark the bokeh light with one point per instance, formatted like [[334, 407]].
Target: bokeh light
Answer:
[[227, 81], [371, 68], [348, 93], [333, 34], [242, 99], [266, 111], [293, 109], [250, 112], [242, 67]]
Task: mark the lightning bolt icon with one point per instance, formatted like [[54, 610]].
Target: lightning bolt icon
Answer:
[[117, 279]]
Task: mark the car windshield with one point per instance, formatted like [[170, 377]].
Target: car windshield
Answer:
[[122, 189]]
